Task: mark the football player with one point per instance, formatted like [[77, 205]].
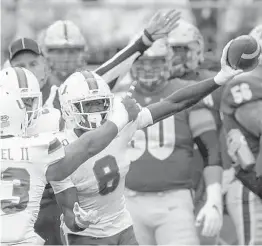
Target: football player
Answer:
[[159, 181], [92, 198], [27, 164], [64, 47], [26, 53], [241, 107], [39, 119]]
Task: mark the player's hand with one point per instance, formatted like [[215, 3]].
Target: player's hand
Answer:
[[85, 219], [210, 216], [124, 110], [132, 107], [160, 25], [226, 73]]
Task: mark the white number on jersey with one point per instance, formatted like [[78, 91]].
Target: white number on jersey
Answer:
[[159, 139], [15, 186], [241, 93]]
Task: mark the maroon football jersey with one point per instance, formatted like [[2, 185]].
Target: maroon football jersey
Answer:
[[241, 106], [162, 153]]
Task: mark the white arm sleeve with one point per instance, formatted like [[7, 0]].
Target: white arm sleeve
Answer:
[[144, 118]]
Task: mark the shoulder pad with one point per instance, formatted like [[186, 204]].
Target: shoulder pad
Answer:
[[244, 88]]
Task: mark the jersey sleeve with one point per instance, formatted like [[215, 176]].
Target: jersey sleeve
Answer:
[[249, 116], [144, 118], [200, 121], [239, 91], [117, 67], [46, 150], [59, 186]]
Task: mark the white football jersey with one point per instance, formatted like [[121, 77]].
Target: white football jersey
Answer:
[[48, 121], [100, 181], [24, 162]]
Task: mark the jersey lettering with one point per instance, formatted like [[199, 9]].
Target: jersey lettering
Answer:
[[159, 139], [241, 93], [15, 190], [107, 174]]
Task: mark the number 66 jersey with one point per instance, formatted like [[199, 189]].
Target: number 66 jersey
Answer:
[[24, 162], [100, 181]]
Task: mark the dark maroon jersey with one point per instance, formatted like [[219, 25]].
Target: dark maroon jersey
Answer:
[[242, 107], [162, 153]]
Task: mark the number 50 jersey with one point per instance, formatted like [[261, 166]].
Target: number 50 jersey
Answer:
[[24, 162], [162, 154], [100, 181]]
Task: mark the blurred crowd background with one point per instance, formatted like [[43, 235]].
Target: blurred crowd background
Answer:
[[108, 25]]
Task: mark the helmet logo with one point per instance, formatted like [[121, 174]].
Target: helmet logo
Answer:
[[4, 121]]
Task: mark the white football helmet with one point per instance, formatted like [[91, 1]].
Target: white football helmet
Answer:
[[12, 113], [64, 47], [152, 68], [187, 44], [85, 100], [256, 33], [23, 81]]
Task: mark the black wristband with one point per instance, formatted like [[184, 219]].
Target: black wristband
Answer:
[[147, 34]]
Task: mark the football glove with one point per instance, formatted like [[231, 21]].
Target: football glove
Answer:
[[124, 110], [84, 219], [210, 216], [226, 73], [160, 25]]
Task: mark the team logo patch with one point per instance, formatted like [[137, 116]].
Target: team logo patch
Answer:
[[4, 121]]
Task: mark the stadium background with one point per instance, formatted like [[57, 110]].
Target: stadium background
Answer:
[[108, 25]]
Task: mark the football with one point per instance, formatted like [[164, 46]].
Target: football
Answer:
[[243, 53]]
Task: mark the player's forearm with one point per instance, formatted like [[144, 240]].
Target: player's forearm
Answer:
[[208, 145], [182, 99], [79, 151], [193, 93], [213, 180], [66, 200], [250, 180], [121, 63]]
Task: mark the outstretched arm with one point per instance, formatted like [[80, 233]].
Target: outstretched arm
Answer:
[[79, 151], [116, 68], [93, 142], [188, 96], [181, 99]]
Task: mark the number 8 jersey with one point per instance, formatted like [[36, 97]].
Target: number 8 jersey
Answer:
[[24, 162], [100, 181]]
